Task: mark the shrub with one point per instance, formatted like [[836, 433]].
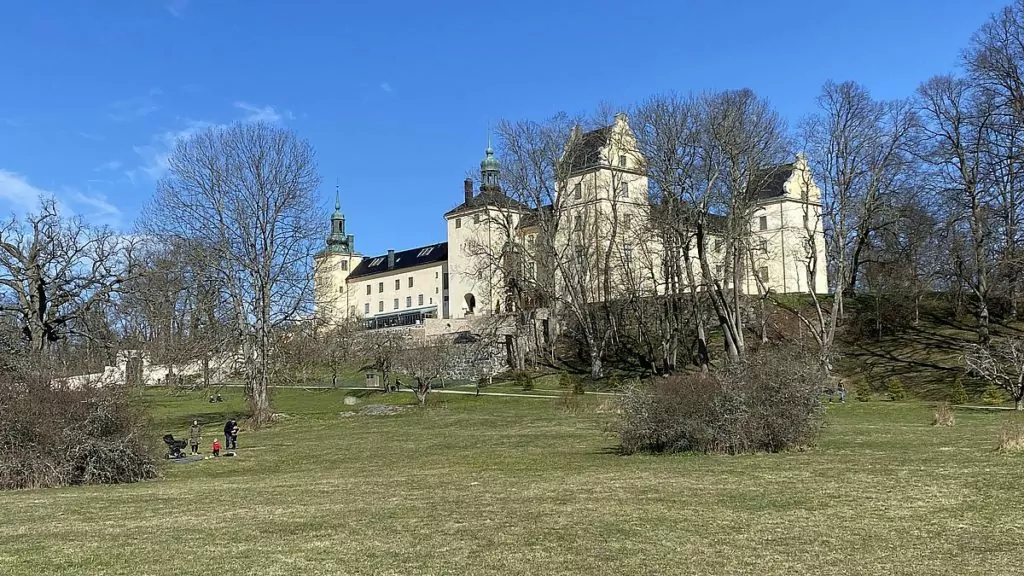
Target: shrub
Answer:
[[958, 395], [58, 437], [862, 389], [569, 401], [895, 390], [573, 382], [769, 402], [944, 415], [993, 396], [522, 380], [1011, 435]]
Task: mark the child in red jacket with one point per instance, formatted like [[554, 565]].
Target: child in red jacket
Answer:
[[216, 447]]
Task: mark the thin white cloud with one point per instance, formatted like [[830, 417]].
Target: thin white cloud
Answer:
[[155, 154], [90, 136], [268, 113], [177, 8], [111, 165], [20, 196], [102, 211], [17, 193], [385, 86], [131, 109]]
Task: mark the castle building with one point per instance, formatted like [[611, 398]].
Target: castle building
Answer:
[[599, 211]]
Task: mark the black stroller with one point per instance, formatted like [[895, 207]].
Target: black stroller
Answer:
[[175, 448]]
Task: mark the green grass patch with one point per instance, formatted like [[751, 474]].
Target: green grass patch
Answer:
[[494, 485]]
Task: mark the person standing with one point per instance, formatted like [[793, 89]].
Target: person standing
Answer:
[[842, 393], [230, 434], [195, 435]]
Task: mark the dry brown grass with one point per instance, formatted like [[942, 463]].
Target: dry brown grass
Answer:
[[1011, 435], [944, 415]]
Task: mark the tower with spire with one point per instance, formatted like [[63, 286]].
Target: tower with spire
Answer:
[[490, 169], [337, 241], [333, 265]]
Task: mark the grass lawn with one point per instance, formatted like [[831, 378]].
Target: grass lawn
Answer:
[[498, 485]]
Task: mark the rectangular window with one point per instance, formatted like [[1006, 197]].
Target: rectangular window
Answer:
[[366, 308], [420, 301], [376, 261], [380, 306], [763, 246], [531, 270], [437, 275], [410, 281], [437, 290], [718, 244], [408, 301], [762, 223], [763, 274], [622, 160], [344, 264], [431, 300], [458, 222], [396, 303], [380, 287], [627, 220], [718, 271], [425, 252], [398, 284], [476, 218], [577, 191], [627, 253], [369, 289]]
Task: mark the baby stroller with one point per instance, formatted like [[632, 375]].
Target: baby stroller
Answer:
[[175, 448]]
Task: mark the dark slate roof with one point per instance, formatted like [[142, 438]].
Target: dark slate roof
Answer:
[[419, 256], [769, 183], [488, 198], [533, 217], [585, 153]]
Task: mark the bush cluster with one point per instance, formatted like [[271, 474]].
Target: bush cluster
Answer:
[[993, 396], [769, 402], [573, 382], [895, 389], [55, 437], [958, 395]]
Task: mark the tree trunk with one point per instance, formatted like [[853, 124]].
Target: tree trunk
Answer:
[[595, 364]]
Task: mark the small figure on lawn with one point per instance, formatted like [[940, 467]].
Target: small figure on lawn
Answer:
[[219, 399], [842, 393], [216, 447], [195, 435], [230, 434]]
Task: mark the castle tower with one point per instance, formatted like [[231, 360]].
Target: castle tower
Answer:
[[332, 267]]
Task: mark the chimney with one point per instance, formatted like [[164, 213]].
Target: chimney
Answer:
[[469, 189], [391, 259]]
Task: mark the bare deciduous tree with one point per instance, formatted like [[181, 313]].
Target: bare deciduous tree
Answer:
[[55, 271], [246, 193], [425, 364], [1000, 363]]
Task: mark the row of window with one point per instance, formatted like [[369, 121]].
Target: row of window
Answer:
[[408, 304], [398, 285], [621, 192]]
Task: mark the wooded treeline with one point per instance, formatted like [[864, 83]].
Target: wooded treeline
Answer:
[[919, 194]]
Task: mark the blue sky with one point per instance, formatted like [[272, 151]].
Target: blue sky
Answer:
[[397, 97]]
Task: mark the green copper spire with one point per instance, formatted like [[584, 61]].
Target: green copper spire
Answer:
[[337, 241], [490, 168]]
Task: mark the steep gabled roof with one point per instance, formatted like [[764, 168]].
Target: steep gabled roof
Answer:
[[585, 152], [771, 182], [487, 198], [410, 258]]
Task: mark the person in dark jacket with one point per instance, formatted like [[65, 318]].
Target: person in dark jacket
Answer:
[[230, 434], [195, 435]]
